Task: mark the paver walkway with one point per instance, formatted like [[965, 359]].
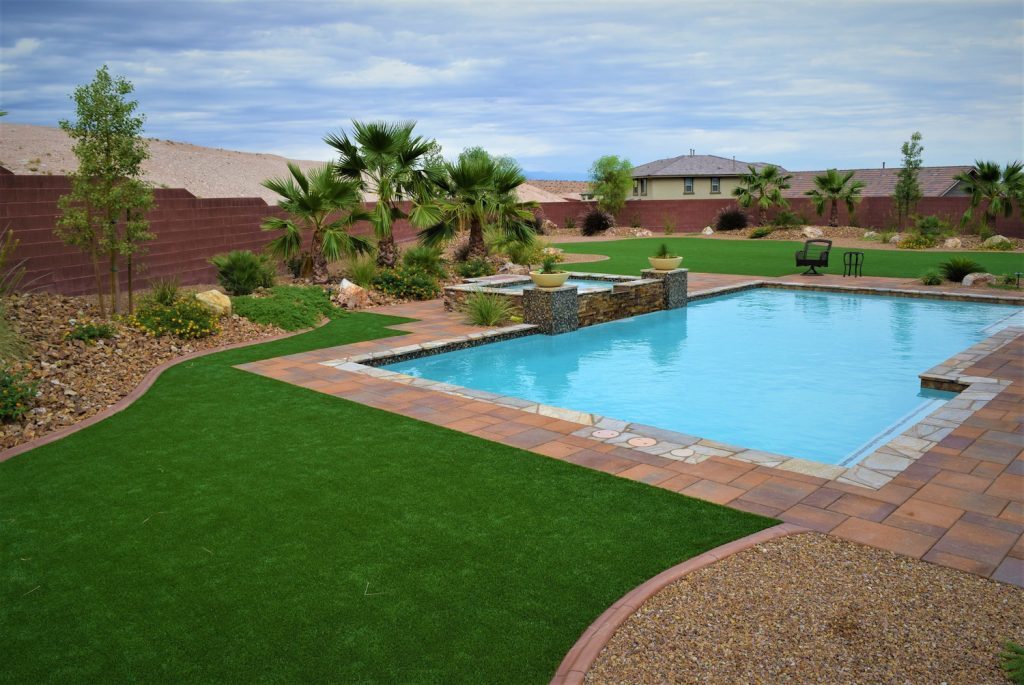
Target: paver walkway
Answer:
[[959, 505]]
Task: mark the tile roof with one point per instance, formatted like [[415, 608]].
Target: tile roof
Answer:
[[935, 181], [529, 192], [695, 165], [570, 190]]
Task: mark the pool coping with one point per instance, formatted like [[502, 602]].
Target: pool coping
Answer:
[[873, 471]]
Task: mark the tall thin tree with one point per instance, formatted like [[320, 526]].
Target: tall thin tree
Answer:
[[907, 192]]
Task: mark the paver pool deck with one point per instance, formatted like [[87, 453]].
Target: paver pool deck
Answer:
[[961, 504]]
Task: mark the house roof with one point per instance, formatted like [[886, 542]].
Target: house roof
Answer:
[[529, 192], [696, 165], [935, 181], [570, 190]]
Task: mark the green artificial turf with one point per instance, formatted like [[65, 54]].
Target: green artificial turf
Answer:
[[229, 528], [287, 306], [771, 257]]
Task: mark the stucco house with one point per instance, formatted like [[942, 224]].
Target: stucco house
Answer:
[[689, 176]]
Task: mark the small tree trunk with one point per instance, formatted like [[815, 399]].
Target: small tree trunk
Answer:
[[115, 284], [387, 252], [761, 215], [320, 273], [477, 246], [131, 288], [833, 219], [101, 303]]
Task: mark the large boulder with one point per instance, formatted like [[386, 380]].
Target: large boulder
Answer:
[[997, 242], [708, 231], [351, 296], [868, 235], [979, 278], [952, 243], [896, 239], [216, 301], [812, 232], [547, 227]]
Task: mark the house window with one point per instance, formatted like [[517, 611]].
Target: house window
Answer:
[[716, 185], [643, 186], [636, 187], [688, 186]]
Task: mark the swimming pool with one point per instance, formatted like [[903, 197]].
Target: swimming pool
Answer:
[[810, 375], [583, 284]]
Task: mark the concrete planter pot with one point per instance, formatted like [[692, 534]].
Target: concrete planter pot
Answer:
[[665, 263], [555, 280]]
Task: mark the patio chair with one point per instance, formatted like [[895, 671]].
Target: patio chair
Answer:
[[853, 264], [814, 254]]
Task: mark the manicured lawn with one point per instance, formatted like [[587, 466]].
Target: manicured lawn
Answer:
[[771, 257], [228, 528]]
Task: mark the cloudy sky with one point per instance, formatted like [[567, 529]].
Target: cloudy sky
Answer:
[[555, 84]]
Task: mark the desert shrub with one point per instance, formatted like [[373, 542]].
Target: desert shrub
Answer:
[[570, 222], [664, 253], [731, 219], [761, 232], [788, 219], [635, 222], [955, 268], [669, 224], [187, 318], [460, 252], [408, 283], [930, 226], [984, 232], [548, 263], [475, 268], [290, 307], [1008, 279], [885, 236], [525, 254], [917, 241], [426, 259], [16, 395], [12, 345], [487, 309], [300, 266], [90, 331], [165, 291], [931, 277], [597, 222], [240, 271], [11, 275], [362, 271], [1012, 661]]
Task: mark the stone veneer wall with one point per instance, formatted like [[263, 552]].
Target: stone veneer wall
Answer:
[[625, 300]]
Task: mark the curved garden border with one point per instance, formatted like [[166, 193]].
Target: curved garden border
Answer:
[[584, 653], [137, 392]]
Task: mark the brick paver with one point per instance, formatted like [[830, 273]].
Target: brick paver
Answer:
[[960, 505]]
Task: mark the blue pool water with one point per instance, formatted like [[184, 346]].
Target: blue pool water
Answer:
[[811, 375], [581, 283]]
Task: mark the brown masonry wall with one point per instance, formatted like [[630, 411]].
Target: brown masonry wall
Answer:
[[621, 302], [690, 216]]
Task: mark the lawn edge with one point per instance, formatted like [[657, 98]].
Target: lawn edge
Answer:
[[582, 655], [139, 390]]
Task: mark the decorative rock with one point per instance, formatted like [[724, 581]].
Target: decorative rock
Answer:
[[708, 231], [952, 243], [868, 235], [553, 250], [216, 301], [642, 233], [812, 232], [997, 242], [513, 269], [979, 278], [351, 296], [896, 239], [548, 226]]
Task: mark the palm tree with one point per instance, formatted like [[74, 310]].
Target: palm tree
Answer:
[[835, 188], [312, 199], [998, 188], [386, 159], [478, 191], [763, 187]]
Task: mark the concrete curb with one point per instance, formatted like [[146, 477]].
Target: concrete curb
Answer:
[[584, 653]]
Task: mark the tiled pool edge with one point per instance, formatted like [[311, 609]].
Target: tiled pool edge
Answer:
[[873, 471]]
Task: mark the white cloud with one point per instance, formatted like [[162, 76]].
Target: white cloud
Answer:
[[22, 47]]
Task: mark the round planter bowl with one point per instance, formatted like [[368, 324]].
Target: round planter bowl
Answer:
[[665, 263], [555, 280]]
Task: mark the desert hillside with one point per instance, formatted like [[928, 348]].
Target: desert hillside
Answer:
[[203, 171]]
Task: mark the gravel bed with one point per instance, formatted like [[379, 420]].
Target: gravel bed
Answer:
[[811, 608], [77, 380]]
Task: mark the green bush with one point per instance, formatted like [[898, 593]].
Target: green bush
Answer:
[[885, 236], [524, 253], [984, 232], [731, 219], [89, 332], [917, 241], [1012, 659], [426, 259], [362, 271], [475, 268], [487, 309], [408, 284], [240, 271], [930, 225], [788, 219], [762, 232], [290, 307], [663, 252], [955, 268], [187, 318], [570, 222], [1008, 279], [16, 395], [597, 222], [931, 277], [165, 291], [12, 346]]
